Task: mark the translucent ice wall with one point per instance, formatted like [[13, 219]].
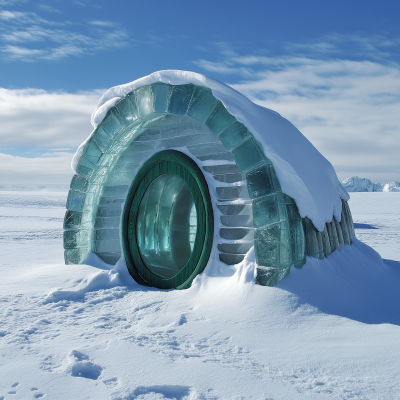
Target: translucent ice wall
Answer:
[[248, 201]]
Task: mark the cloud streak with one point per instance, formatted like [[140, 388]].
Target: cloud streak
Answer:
[[347, 108], [51, 125], [25, 36], [33, 117]]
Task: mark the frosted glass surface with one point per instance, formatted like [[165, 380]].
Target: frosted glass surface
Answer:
[[75, 200], [92, 152], [339, 231], [101, 138], [166, 225], [202, 105], [247, 155], [260, 182], [268, 210], [312, 248], [144, 100], [128, 110], [180, 99], [161, 94], [233, 135], [219, 120], [79, 184], [231, 259], [111, 125]]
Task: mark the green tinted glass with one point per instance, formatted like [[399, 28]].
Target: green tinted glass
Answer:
[[166, 225]]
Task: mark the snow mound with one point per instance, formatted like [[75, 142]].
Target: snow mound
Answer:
[[353, 283], [312, 184], [356, 184]]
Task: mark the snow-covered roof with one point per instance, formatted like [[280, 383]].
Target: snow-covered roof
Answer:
[[304, 174]]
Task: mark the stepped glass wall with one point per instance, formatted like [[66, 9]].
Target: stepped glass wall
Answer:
[[249, 208]]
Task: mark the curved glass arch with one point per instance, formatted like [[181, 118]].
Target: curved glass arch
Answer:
[[269, 219]]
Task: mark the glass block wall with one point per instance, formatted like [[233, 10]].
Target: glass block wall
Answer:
[[249, 206]]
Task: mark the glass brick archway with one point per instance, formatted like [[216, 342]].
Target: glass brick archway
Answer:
[[249, 206]]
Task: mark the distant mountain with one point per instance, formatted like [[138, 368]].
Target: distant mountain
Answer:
[[356, 184]]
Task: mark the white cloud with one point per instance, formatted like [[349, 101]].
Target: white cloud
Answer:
[[33, 117], [102, 23], [51, 124], [348, 109], [25, 36], [39, 170], [47, 8]]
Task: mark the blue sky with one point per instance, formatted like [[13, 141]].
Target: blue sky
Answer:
[[330, 68]]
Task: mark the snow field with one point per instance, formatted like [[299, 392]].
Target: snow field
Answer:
[[327, 331]]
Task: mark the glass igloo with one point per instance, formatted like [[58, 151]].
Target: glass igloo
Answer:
[[181, 171]]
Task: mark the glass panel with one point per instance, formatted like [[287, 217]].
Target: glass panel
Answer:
[[237, 220], [166, 224], [339, 231], [233, 135], [101, 138], [111, 125], [235, 248], [232, 192], [72, 220], [111, 211], [325, 242], [107, 246], [202, 105], [180, 98], [298, 245], [189, 140], [222, 169], [75, 256], [270, 234], [226, 156], [267, 254], [312, 246], [345, 231], [144, 100], [128, 110], [75, 200], [78, 238], [219, 120], [92, 151], [320, 245], [247, 155], [207, 149], [107, 222], [350, 223], [260, 182], [236, 233], [235, 209], [270, 276], [79, 184], [229, 178], [333, 238], [110, 258], [268, 210], [161, 94], [293, 215], [231, 259], [119, 190]]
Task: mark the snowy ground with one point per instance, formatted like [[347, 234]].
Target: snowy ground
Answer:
[[328, 331]]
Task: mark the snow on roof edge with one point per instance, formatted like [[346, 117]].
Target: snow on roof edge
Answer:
[[304, 174]]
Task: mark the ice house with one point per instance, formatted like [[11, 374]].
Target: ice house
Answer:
[[182, 170]]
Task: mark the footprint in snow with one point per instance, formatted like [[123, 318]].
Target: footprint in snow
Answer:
[[82, 367]]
